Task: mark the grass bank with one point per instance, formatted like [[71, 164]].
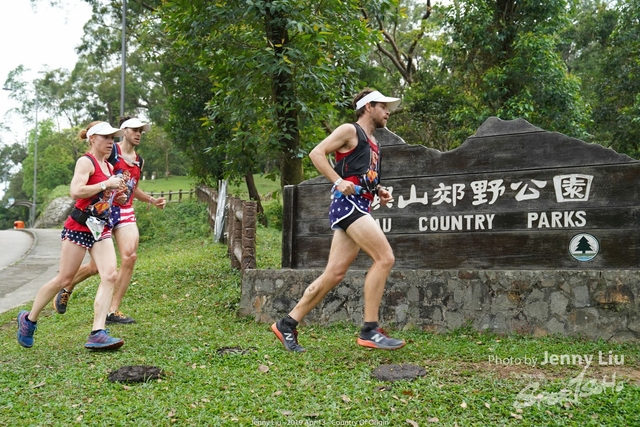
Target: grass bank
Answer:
[[185, 296]]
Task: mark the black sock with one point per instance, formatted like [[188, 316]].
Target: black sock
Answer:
[[290, 322], [369, 326], [95, 332]]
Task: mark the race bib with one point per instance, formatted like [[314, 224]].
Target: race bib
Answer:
[[96, 226]]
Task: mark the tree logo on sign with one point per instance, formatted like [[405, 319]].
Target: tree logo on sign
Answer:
[[584, 247]]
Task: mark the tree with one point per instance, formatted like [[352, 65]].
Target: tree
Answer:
[[57, 155], [11, 156], [407, 52], [277, 71], [501, 58], [617, 109], [587, 43], [160, 154]]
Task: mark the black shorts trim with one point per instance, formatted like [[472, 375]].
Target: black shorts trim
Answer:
[[346, 222]]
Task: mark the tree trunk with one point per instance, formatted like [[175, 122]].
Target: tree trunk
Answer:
[[255, 196], [166, 163], [284, 97]]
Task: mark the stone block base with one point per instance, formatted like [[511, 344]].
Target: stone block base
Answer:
[[592, 304]]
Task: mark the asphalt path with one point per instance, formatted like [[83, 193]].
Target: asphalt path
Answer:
[[29, 258]]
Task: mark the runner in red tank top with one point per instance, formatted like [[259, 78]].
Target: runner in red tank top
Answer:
[[94, 187], [128, 163]]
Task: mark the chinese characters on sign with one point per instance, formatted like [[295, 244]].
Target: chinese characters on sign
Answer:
[[567, 188]]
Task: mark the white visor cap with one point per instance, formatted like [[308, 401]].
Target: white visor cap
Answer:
[[375, 96], [104, 128], [135, 123]]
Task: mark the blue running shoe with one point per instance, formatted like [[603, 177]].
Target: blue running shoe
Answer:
[[61, 300], [26, 328], [102, 341]]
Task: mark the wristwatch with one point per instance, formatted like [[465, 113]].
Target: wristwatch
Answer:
[[103, 186]]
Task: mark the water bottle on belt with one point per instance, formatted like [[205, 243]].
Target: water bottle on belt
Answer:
[[338, 194]]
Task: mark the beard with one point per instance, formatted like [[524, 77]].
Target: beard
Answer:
[[379, 123]]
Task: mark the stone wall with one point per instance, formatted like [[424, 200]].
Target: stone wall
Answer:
[[591, 304]]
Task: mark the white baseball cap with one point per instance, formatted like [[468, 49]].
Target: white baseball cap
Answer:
[[375, 96], [104, 128], [135, 123]]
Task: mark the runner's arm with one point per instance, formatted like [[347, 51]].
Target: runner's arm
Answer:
[[79, 188], [343, 137], [144, 197]]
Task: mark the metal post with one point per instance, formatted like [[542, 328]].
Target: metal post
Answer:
[[124, 56], [35, 165]]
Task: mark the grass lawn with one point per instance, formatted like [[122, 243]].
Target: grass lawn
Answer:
[[185, 296], [175, 183]]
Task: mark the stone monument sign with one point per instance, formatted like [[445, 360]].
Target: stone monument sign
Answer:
[[517, 230], [513, 196]]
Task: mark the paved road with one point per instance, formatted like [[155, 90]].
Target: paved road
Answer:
[[29, 258]]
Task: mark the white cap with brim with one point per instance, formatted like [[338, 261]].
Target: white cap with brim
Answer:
[[375, 96], [135, 123], [104, 128]]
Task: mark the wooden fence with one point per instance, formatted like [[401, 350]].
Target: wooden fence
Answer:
[[172, 196], [240, 222]]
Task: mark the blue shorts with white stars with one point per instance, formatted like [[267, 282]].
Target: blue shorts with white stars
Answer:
[[83, 238], [344, 210]]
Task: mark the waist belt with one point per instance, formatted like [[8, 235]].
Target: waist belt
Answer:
[[79, 216]]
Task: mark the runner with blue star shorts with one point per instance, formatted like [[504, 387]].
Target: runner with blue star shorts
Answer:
[[356, 178], [88, 228]]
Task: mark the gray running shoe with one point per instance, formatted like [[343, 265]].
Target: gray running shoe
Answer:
[[287, 336], [378, 338], [119, 317]]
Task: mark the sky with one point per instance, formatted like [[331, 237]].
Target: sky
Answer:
[[39, 37]]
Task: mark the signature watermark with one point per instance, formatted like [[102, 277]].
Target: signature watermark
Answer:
[[577, 388]]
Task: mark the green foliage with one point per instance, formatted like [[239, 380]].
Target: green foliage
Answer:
[[265, 186], [269, 244], [11, 156], [615, 79], [262, 88], [250, 86], [57, 156], [59, 191], [8, 216], [161, 155], [188, 219], [499, 59], [273, 212]]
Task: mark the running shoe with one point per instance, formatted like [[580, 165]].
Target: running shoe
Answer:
[[287, 336], [119, 317], [378, 338], [102, 341], [26, 328], [61, 300]]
